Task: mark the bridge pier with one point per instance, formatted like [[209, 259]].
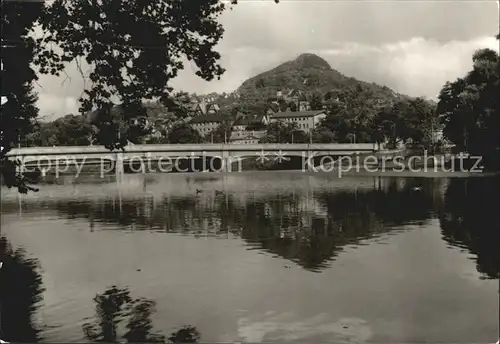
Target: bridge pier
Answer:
[[226, 163], [20, 167], [308, 162], [311, 167], [119, 168]]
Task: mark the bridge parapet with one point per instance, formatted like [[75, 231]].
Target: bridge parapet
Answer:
[[188, 148]]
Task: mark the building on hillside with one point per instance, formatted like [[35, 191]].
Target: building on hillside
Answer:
[[289, 95], [437, 135], [273, 108], [332, 103], [292, 95], [243, 121], [247, 137], [207, 123], [194, 110], [212, 109], [306, 120], [304, 105]]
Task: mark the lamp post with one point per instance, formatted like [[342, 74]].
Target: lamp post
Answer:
[[394, 134]]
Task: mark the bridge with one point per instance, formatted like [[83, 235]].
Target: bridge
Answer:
[[228, 153]]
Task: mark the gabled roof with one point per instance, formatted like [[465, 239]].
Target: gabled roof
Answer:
[[290, 114], [203, 107], [249, 120], [214, 106], [274, 107]]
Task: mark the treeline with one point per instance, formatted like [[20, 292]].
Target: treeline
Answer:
[[356, 121]]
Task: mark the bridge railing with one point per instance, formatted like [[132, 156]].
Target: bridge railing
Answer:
[[194, 147]]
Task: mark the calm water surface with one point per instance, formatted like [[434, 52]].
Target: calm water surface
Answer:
[[255, 257]]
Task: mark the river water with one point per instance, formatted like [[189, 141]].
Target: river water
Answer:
[[254, 257]]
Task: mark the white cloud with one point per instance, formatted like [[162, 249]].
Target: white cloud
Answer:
[[415, 67]]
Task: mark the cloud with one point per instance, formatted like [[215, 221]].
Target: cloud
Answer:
[[417, 67], [412, 47]]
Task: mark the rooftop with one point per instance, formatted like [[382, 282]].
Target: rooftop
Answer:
[[249, 120]]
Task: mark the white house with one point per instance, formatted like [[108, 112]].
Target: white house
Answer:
[[305, 120], [205, 124], [247, 137]]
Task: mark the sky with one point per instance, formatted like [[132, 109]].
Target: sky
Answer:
[[413, 47]]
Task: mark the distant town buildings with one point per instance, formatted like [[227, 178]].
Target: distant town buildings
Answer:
[[244, 121], [248, 129], [205, 124], [247, 136], [305, 120]]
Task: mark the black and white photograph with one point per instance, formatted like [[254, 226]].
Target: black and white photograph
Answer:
[[250, 171]]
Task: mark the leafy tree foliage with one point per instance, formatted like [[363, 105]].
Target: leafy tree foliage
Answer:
[[70, 130], [133, 50], [413, 119], [183, 133], [469, 107], [221, 134], [316, 101], [116, 306], [279, 132], [18, 112], [21, 294], [323, 135]]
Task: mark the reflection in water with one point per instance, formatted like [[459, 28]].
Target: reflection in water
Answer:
[[471, 220], [116, 306], [308, 228], [21, 291]]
